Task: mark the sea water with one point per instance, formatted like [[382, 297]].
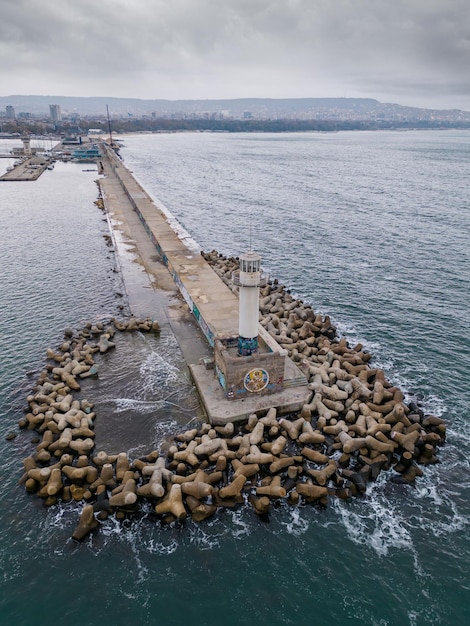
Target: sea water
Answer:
[[371, 228]]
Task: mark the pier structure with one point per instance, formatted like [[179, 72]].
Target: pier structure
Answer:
[[32, 165], [29, 169], [243, 369]]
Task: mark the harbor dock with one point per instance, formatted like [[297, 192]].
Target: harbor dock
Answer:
[[209, 312], [25, 171]]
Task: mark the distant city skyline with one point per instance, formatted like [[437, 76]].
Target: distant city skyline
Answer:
[[409, 52], [357, 109]]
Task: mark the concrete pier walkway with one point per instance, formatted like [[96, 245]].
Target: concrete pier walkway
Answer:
[[28, 170], [149, 286], [179, 286]]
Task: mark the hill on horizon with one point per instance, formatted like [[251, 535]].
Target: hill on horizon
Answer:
[[276, 107]]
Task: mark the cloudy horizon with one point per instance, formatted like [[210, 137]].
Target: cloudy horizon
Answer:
[[411, 52]]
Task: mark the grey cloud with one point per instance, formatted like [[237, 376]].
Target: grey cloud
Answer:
[[224, 48]]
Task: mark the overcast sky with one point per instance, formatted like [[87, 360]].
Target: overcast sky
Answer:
[[414, 52]]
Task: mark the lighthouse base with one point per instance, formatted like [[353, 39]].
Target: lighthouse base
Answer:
[[220, 409], [247, 347], [258, 373]]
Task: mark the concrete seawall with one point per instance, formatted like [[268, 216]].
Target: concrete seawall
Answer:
[[212, 304]]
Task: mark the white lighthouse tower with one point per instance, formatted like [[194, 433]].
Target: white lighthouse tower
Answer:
[[249, 279]]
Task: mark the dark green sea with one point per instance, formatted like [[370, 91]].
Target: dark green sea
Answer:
[[372, 228]]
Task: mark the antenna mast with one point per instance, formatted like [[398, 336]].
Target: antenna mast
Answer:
[[109, 127], [250, 248]]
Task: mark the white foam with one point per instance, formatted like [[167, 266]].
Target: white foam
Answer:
[[413, 618], [296, 525], [374, 521], [433, 404], [157, 372], [62, 515], [203, 539], [426, 490], [449, 521], [347, 330], [158, 547], [240, 528], [141, 569], [112, 526], [138, 406]]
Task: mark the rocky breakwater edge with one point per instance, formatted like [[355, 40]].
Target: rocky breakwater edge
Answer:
[[355, 425]]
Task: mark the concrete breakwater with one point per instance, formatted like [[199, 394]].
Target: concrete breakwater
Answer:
[[351, 401], [355, 425]]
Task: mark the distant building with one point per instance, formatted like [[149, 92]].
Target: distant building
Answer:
[[26, 145], [86, 154], [72, 140], [55, 113], [10, 112]]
